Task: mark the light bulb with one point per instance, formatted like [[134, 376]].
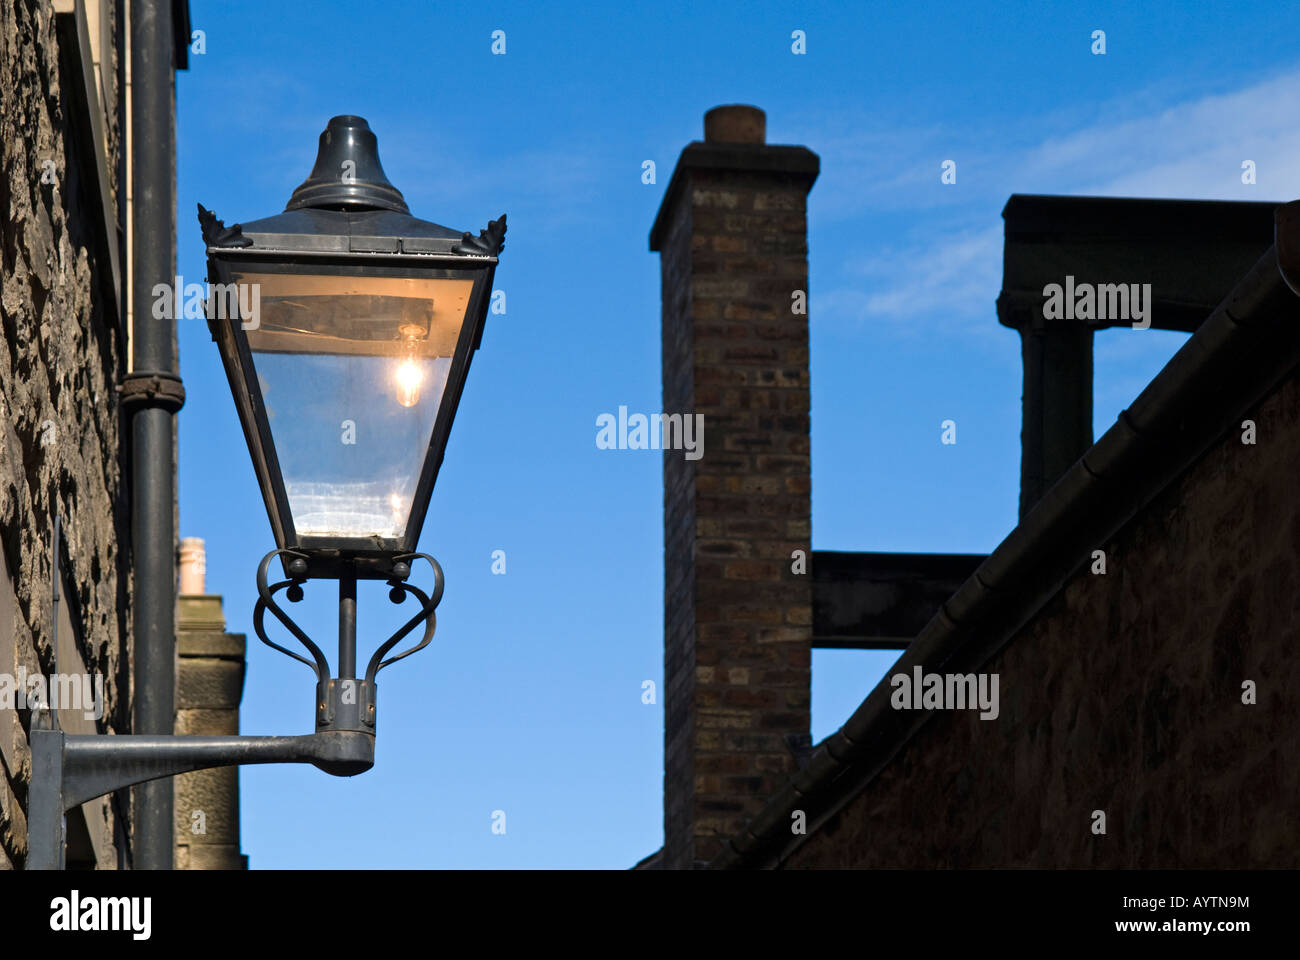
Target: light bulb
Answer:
[[409, 376]]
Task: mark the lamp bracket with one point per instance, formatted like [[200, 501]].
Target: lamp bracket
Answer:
[[346, 703]]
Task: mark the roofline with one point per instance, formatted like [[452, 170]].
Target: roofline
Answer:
[[653, 861], [1246, 346], [1134, 218]]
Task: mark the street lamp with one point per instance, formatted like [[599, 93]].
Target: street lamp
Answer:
[[346, 327], [348, 372]]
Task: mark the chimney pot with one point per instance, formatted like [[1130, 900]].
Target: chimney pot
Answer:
[[193, 566], [735, 123]]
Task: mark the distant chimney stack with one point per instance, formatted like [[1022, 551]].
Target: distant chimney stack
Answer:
[[732, 234], [209, 687]]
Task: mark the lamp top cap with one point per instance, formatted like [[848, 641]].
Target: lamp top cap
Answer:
[[348, 174], [735, 123]]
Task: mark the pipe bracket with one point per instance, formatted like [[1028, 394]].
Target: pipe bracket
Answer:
[[152, 388]]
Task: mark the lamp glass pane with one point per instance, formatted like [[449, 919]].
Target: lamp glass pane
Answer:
[[352, 371]]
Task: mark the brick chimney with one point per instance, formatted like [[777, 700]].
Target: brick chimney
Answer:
[[732, 235]]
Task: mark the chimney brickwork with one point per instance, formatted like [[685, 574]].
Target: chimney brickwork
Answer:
[[732, 234]]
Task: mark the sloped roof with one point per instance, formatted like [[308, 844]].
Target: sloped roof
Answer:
[[1242, 351]]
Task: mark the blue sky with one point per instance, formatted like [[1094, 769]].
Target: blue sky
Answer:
[[529, 699]]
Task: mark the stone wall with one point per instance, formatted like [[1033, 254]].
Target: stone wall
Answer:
[[1124, 695], [59, 417]]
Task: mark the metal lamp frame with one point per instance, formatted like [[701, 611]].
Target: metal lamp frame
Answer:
[[331, 557]]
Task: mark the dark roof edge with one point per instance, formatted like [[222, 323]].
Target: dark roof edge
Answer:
[[1092, 217], [1247, 345], [653, 861], [792, 161]]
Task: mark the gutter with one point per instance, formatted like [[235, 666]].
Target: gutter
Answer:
[[1243, 350]]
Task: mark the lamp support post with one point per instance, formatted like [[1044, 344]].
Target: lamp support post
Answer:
[[348, 625]]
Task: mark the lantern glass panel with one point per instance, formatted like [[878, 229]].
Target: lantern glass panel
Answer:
[[352, 371]]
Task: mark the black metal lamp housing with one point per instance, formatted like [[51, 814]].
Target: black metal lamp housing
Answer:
[[346, 327]]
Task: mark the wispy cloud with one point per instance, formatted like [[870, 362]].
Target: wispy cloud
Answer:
[[959, 276], [1193, 149], [948, 266]]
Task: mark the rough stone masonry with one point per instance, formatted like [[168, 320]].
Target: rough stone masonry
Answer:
[[59, 420]]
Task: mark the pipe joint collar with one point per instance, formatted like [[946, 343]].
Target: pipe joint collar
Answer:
[[152, 388]]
